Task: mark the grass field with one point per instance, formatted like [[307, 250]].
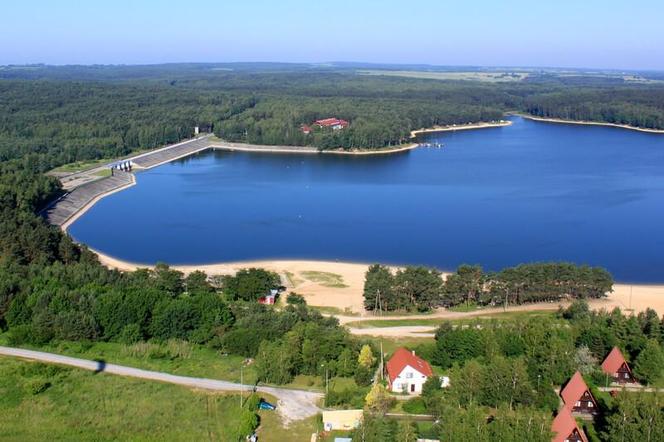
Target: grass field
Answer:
[[326, 279], [47, 402], [493, 77], [434, 322]]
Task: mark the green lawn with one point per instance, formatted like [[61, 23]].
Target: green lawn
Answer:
[[334, 310], [48, 402], [326, 279], [434, 322], [80, 166]]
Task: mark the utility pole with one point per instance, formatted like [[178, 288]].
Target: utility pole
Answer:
[[241, 384], [381, 360]]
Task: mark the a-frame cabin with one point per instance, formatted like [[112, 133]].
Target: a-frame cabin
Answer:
[[577, 396], [616, 366]]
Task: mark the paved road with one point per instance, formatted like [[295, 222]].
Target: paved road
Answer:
[[292, 404]]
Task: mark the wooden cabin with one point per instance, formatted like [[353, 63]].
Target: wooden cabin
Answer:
[[577, 396], [616, 366], [565, 428]]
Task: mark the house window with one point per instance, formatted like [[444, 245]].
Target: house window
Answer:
[[626, 376], [409, 375], [577, 404], [590, 404]]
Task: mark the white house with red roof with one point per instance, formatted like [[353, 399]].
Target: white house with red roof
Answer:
[[406, 372]]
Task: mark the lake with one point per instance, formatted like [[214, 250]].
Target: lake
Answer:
[[496, 197]]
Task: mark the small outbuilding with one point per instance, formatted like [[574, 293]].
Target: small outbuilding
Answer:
[[565, 428], [577, 396], [407, 372], [616, 366], [269, 298], [334, 420]]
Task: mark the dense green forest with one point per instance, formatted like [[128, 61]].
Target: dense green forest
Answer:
[[421, 288]]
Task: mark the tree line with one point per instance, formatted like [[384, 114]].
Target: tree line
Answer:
[[421, 289]]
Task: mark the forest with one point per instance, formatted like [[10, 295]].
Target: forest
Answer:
[[421, 288]]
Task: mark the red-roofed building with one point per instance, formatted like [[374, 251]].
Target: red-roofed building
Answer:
[[334, 123], [616, 366], [577, 396], [305, 129], [406, 372], [565, 428]]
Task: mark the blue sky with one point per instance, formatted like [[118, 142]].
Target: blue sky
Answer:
[[565, 33]]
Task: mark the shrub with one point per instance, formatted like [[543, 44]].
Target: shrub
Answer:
[[415, 406], [252, 402], [37, 386], [347, 398], [295, 299], [19, 335], [248, 423], [130, 334], [363, 376]]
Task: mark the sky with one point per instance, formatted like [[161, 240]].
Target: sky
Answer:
[[549, 33]]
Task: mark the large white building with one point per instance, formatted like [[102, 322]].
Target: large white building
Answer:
[[407, 372]]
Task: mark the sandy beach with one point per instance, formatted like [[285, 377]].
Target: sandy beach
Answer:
[[590, 123], [304, 277]]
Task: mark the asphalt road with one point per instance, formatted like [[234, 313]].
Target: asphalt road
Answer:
[[292, 404]]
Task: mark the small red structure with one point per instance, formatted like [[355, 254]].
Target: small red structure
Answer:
[[305, 129], [577, 396], [334, 123], [270, 298], [616, 366], [565, 428], [407, 372]]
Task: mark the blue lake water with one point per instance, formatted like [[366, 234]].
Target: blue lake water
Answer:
[[496, 197]]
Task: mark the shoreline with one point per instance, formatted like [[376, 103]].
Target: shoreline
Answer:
[[627, 297], [589, 123], [218, 145], [454, 128], [83, 210]]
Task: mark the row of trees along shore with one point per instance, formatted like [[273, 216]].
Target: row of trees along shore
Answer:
[[421, 288]]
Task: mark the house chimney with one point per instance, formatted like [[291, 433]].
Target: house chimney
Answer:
[[413, 352]]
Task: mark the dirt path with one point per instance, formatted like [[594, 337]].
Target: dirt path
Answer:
[[406, 331], [293, 405]]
